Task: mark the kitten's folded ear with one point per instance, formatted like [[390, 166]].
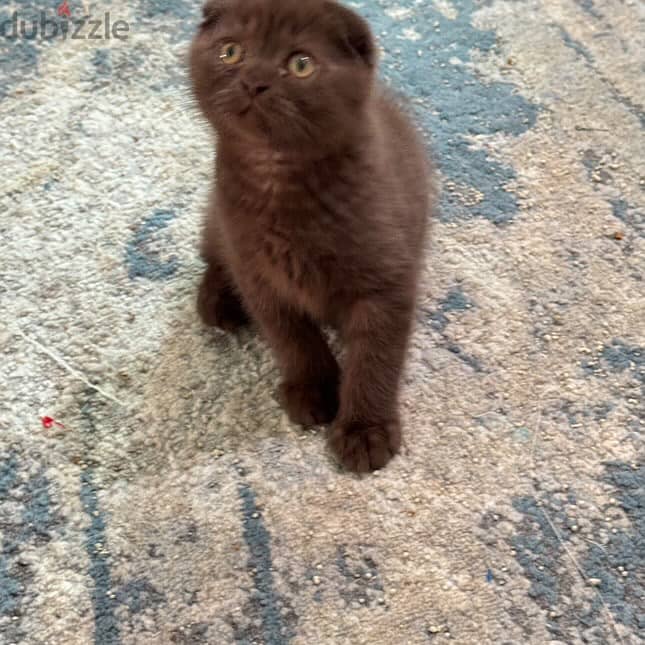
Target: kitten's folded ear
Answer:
[[357, 36], [212, 11]]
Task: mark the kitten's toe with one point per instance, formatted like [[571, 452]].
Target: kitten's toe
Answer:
[[220, 308], [363, 447], [310, 403]]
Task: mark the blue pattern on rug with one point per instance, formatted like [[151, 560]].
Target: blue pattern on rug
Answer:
[[275, 616], [106, 626], [144, 251], [428, 57], [35, 528]]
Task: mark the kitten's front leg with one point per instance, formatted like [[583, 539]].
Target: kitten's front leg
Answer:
[[367, 432], [309, 390], [218, 303]]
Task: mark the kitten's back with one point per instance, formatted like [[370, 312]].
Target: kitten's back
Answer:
[[408, 169]]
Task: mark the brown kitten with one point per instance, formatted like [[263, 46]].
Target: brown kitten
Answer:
[[319, 210]]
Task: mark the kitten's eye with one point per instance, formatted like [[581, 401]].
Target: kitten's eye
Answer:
[[301, 65], [231, 53]]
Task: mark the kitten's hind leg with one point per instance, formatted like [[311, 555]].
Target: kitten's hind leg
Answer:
[[218, 303]]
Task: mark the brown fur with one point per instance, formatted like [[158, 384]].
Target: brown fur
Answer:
[[318, 214]]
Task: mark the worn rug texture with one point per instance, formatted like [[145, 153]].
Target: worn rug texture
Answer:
[[151, 489]]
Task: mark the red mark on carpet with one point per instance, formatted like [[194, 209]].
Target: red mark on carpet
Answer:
[[48, 422]]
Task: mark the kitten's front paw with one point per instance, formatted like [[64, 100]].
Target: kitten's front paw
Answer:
[[362, 447], [220, 306], [310, 403]]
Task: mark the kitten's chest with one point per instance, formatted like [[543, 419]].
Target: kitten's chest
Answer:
[[290, 260], [278, 242], [288, 229]]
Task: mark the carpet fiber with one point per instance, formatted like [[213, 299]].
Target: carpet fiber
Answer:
[[175, 503]]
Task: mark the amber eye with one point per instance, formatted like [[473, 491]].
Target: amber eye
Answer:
[[301, 65], [231, 53]]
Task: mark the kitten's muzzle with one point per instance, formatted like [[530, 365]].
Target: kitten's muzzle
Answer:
[[255, 88]]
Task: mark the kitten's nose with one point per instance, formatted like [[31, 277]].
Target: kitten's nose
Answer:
[[255, 87]]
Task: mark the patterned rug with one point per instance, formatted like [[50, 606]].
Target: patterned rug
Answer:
[[151, 489]]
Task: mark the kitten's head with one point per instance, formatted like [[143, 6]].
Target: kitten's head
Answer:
[[295, 73]]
